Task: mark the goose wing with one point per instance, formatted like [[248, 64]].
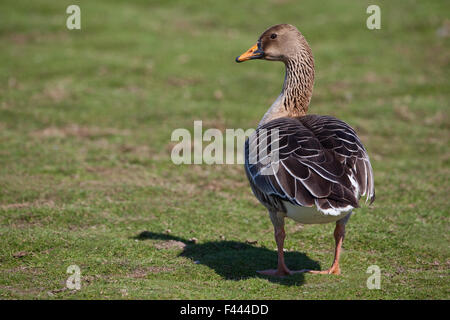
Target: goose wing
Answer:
[[336, 135], [285, 159]]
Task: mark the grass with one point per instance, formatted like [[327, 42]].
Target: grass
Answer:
[[85, 171]]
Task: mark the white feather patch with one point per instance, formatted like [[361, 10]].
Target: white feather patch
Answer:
[[311, 215]]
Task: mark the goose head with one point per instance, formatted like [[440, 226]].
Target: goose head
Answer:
[[285, 43], [282, 42]]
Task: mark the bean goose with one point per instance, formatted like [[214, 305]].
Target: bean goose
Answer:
[[317, 168]]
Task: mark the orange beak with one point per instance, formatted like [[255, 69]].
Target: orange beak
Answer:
[[254, 52]]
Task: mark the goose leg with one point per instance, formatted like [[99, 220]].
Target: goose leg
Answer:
[[339, 234], [280, 235]]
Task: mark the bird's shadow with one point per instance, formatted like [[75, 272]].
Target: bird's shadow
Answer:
[[235, 260]]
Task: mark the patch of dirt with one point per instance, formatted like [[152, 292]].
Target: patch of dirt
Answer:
[[19, 38], [32, 37], [36, 204], [295, 227], [143, 272], [404, 113], [186, 26], [182, 81], [372, 77], [24, 269], [108, 177], [55, 291], [215, 123], [20, 254], [75, 130], [56, 93], [444, 30], [136, 149], [170, 245], [15, 205], [339, 87], [13, 84], [22, 291], [439, 118]]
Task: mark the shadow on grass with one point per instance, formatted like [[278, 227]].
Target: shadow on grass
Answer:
[[235, 260]]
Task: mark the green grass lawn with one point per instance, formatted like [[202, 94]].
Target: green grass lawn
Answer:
[[86, 177]]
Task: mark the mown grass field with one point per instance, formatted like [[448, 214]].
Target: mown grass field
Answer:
[[85, 171]]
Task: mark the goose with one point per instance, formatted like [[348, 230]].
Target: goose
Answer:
[[310, 168]]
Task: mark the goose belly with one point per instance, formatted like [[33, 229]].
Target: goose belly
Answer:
[[310, 215]]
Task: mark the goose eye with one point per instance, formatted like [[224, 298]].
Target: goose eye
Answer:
[[273, 36]]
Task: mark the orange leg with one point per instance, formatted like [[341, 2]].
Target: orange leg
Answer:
[[339, 234], [282, 270], [280, 235]]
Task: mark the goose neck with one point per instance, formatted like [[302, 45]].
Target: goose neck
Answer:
[[298, 84]]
